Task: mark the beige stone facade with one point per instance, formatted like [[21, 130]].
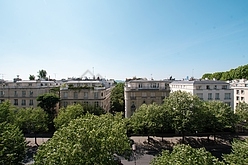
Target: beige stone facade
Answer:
[[142, 91], [95, 93], [23, 94]]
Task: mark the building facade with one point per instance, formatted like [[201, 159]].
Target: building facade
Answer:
[[240, 90], [143, 91], [87, 92], [206, 90], [23, 94]]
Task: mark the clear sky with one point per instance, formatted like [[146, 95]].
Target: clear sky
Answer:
[[122, 38]]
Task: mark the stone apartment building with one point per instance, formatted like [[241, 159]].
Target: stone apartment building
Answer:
[[206, 90], [143, 91], [87, 92], [23, 94], [240, 90]]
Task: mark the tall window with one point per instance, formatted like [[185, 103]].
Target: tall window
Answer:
[[75, 95], [152, 94], [23, 102], [217, 96], [65, 94], [140, 85], [209, 96], [15, 101], [237, 92], [200, 95], [144, 94], [23, 93], [31, 93], [16, 93], [96, 95], [31, 102], [86, 95], [227, 96], [207, 87], [1, 93]]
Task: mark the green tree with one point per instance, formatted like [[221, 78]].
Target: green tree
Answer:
[[88, 140], [150, 119], [217, 75], [239, 153], [42, 74], [117, 101], [185, 109], [220, 116], [31, 77], [32, 121], [207, 75], [12, 144], [6, 112], [242, 113], [186, 155], [48, 102]]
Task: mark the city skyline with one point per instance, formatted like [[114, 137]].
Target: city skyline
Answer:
[[122, 39]]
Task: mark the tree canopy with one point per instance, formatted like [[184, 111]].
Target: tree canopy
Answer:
[[240, 72], [242, 113], [88, 140], [117, 101], [186, 155], [42, 74], [71, 112], [12, 144]]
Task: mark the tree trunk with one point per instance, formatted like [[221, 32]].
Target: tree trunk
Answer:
[[35, 140]]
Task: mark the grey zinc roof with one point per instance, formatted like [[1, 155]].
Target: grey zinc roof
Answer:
[[200, 82]]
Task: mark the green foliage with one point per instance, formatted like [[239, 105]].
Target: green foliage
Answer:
[[12, 144], [150, 119], [88, 140], [219, 116], [117, 99], [240, 72], [239, 155], [31, 120], [31, 77], [185, 109], [48, 102], [186, 155], [6, 112], [42, 74], [71, 112], [242, 113]]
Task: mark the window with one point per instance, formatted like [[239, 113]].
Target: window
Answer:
[[242, 99], [23, 102], [140, 85], [207, 87], [75, 95], [31, 93], [217, 96], [228, 103], [31, 102], [209, 96], [200, 95], [153, 95], [224, 86], [237, 98], [198, 87], [237, 92], [86, 95], [215, 87], [144, 94], [242, 92], [1, 93], [96, 95], [15, 101], [96, 104], [30, 84], [65, 104], [132, 96], [16, 93], [227, 96], [65, 94], [86, 103], [23, 93]]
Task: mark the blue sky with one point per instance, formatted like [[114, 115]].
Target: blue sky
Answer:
[[122, 38]]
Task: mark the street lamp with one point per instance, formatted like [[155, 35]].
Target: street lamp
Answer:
[[134, 151]]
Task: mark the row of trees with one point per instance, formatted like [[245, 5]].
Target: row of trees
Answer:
[[184, 113], [185, 155], [240, 72]]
